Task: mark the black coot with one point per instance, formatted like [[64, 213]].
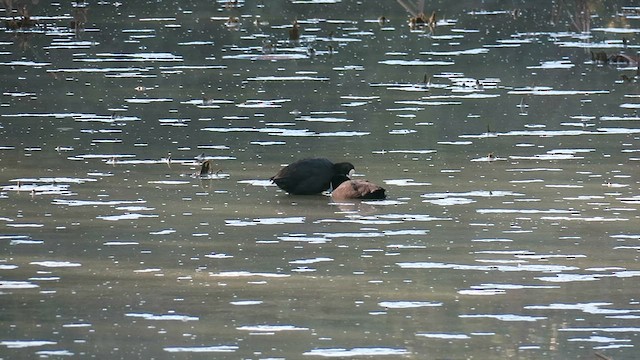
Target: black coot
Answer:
[[310, 176]]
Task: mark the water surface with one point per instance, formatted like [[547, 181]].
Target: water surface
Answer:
[[509, 156]]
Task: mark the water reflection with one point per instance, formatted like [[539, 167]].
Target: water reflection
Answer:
[[138, 216]]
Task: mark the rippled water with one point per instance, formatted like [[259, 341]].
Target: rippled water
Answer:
[[509, 155]]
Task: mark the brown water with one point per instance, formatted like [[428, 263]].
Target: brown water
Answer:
[[512, 173]]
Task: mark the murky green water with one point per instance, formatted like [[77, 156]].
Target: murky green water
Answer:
[[510, 159]]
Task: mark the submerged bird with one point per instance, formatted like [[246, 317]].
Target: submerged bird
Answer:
[[345, 188], [310, 176]]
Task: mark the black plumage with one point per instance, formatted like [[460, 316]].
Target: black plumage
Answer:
[[310, 176]]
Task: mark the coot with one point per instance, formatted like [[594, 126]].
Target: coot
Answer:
[[310, 176]]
